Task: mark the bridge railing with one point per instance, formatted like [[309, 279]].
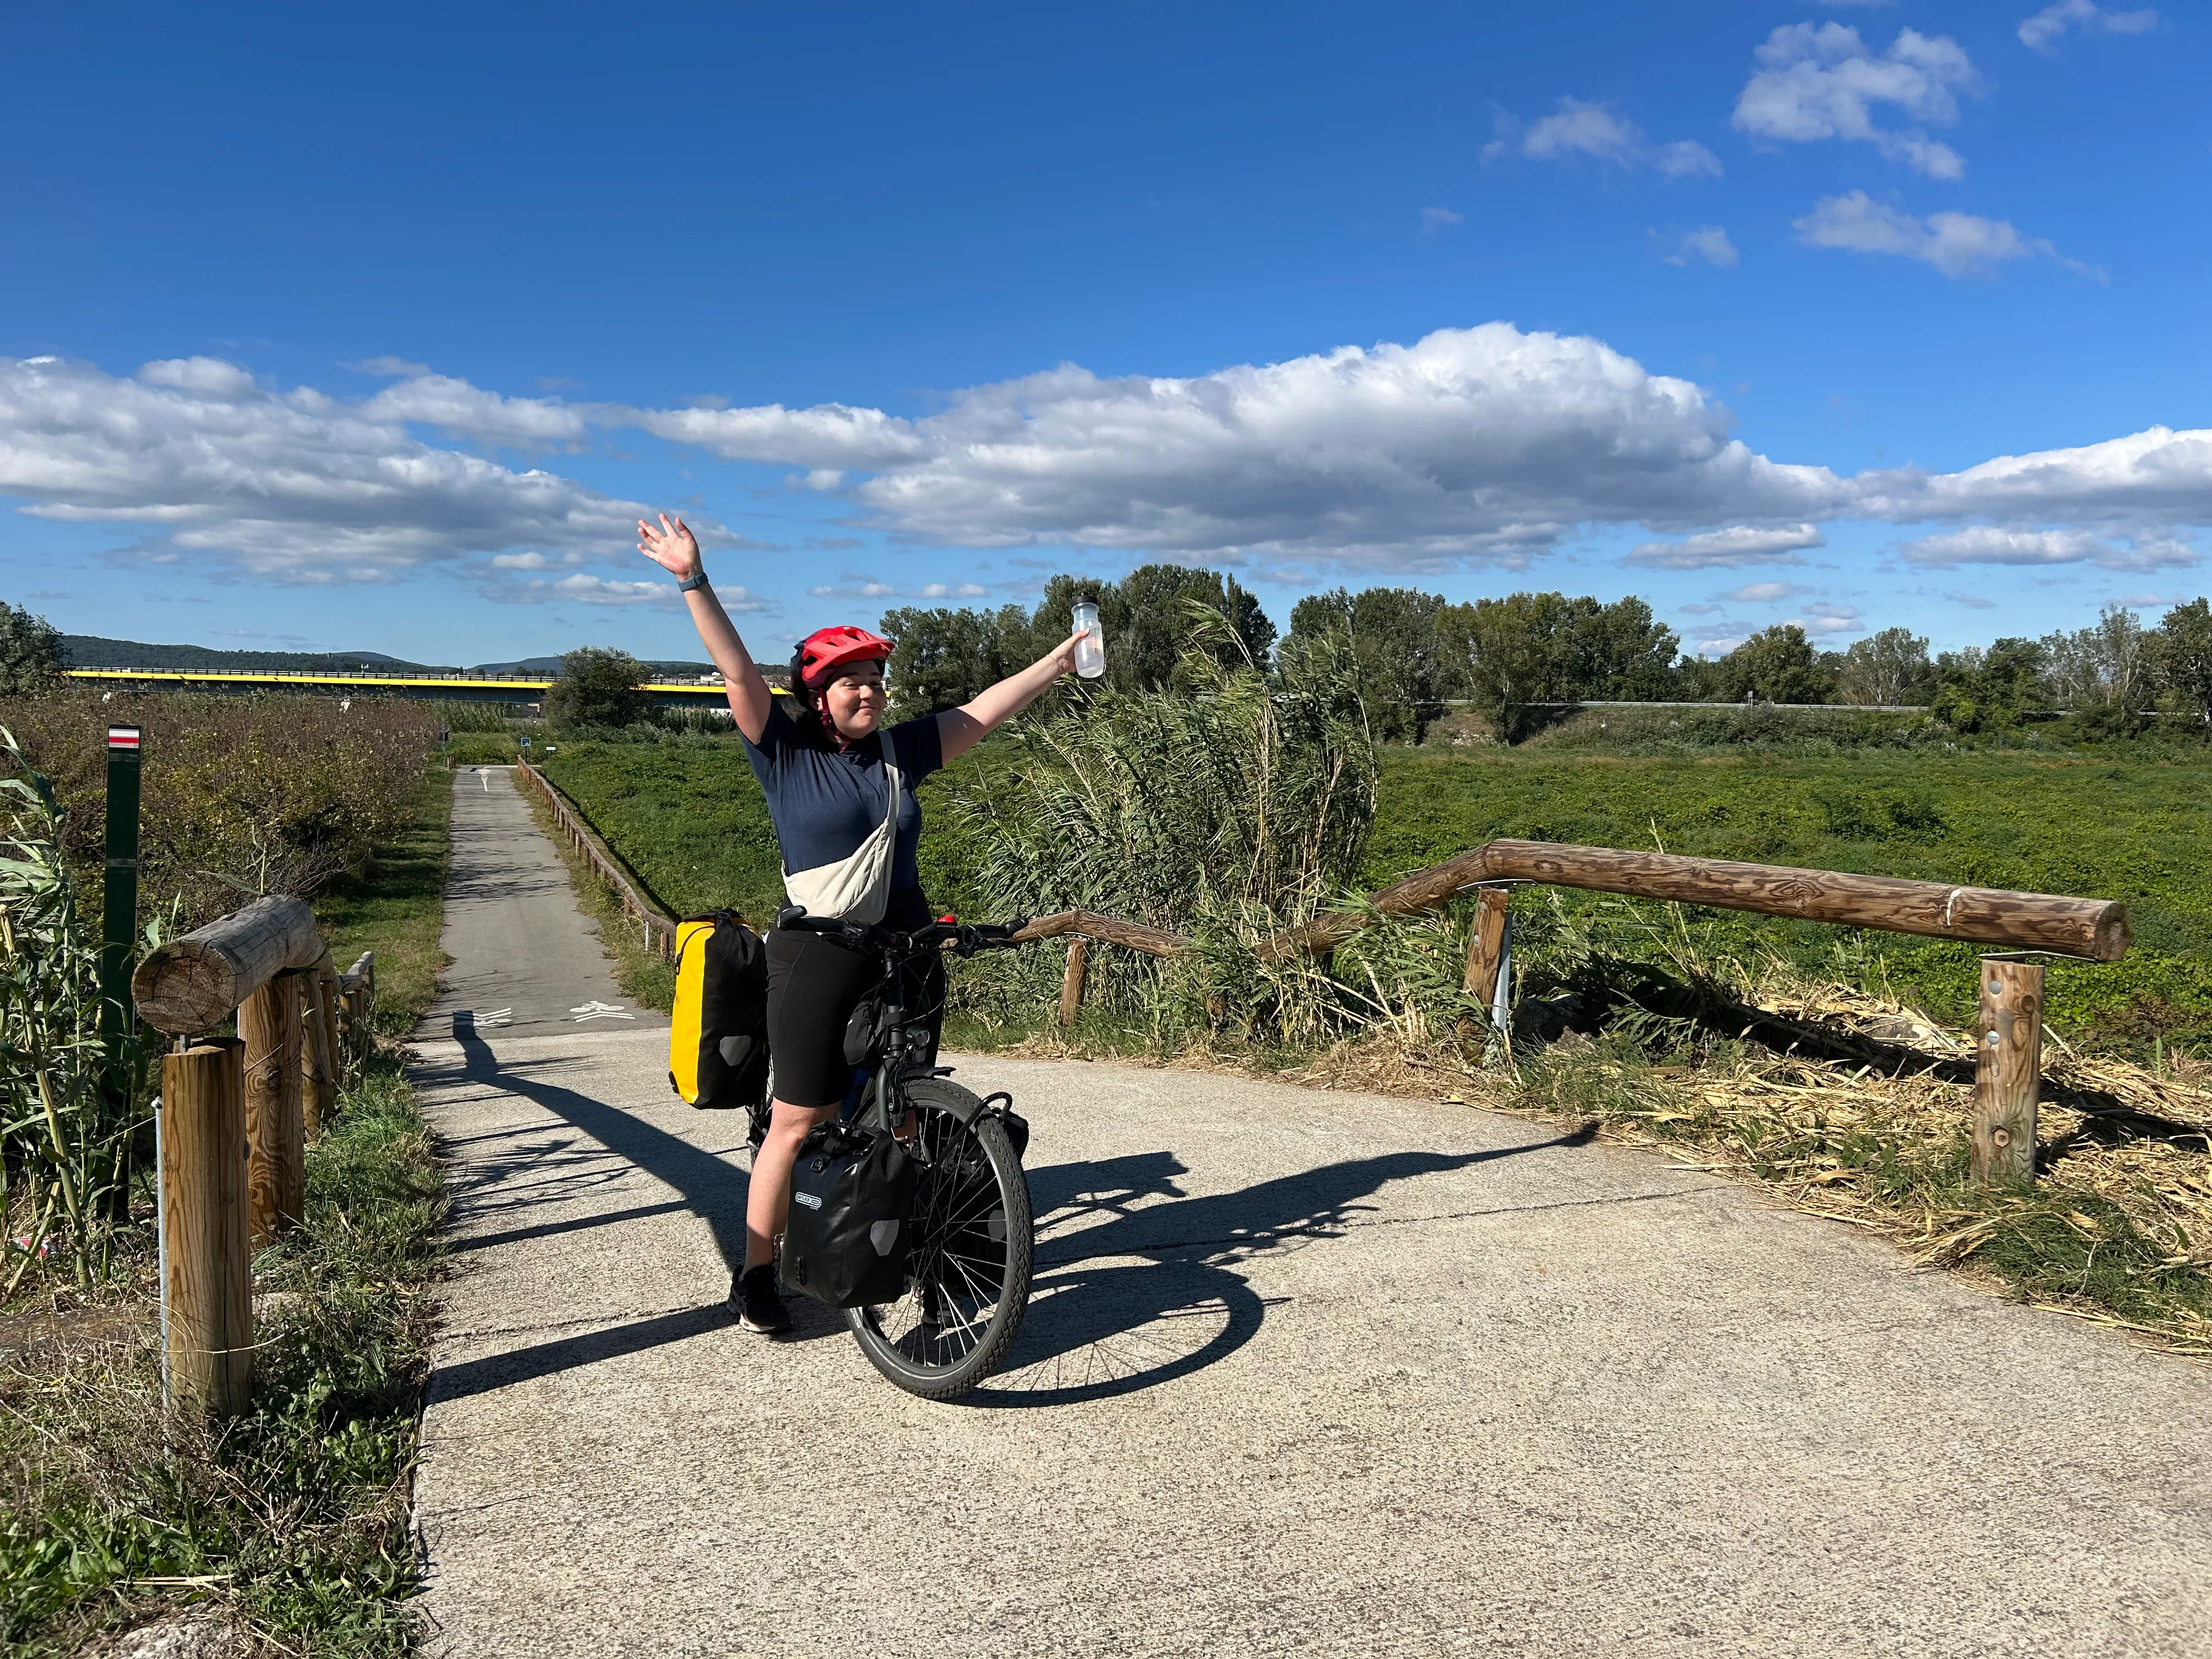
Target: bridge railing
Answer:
[[236, 1115]]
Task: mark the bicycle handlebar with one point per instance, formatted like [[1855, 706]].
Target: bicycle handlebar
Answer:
[[966, 938]]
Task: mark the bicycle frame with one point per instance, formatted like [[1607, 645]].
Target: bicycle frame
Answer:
[[892, 1064]]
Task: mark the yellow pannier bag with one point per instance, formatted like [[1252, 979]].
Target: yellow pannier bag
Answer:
[[718, 1031]]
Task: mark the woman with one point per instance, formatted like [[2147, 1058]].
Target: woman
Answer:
[[849, 826]]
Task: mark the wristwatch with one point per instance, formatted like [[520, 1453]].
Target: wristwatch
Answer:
[[697, 579]]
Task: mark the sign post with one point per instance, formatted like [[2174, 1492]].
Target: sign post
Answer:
[[118, 934]]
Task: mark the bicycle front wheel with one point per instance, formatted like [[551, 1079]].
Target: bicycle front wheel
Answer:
[[968, 1271]]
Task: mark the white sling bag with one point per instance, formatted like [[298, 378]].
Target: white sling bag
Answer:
[[857, 888]]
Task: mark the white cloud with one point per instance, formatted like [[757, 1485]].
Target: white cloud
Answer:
[[1993, 545], [1738, 544], [455, 406], [1580, 127], [855, 587], [1956, 244], [1760, 594], [388, 364], [1469, 447], [1817, 81], [1436, 218], [585, 589], [1821, 618], [1708, 242], [1685, 158], [293, 484], [827, 437], [2043, 31], [1972, 601], [1480, 444], [2156, 477], [866, 587]]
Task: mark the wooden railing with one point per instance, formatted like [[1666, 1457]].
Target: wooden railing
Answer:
[[2008, 1025], [236, 1115], [656, 926], [2008, 1029]]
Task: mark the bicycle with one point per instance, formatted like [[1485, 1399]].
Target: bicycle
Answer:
[[967, 1267]]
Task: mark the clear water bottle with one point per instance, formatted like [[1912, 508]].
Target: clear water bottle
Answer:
[[1090, 652]]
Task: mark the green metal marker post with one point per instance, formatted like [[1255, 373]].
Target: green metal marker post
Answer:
[[119, 932]]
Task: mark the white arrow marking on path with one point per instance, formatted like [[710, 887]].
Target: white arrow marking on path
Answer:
[[601, 1010], [497, 1017]]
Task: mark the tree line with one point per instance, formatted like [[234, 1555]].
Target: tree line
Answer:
[[1510, 659]]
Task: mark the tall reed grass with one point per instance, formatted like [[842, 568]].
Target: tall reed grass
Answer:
[[1227, 807], [67, 1120]]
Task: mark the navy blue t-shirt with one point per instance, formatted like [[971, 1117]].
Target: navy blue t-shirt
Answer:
[[825, 802]]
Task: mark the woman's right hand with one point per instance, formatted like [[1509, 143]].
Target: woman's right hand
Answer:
[[673, 547]]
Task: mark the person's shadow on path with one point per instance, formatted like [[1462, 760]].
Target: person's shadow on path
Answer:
[[1084, 1308]]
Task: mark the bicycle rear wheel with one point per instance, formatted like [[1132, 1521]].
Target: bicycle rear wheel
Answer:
[[968, 1273]]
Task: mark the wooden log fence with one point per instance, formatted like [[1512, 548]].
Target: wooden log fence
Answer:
[[236, 1115], [2008, 1031], [656, 927]]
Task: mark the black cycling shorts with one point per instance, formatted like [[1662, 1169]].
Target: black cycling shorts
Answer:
[[814, 984]]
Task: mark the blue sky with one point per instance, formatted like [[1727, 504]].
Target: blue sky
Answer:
[[373, 327]]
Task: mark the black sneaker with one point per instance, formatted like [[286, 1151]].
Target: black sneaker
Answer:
[[757, 1302]]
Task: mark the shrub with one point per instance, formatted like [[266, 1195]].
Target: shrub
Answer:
[[243, 796], [598, 687], [30, 652]]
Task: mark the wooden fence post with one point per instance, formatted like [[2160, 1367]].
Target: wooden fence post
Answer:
[[1071, 986], [1485, 947], [2007, 1070], [276, 1169], [207, 1287], [327, 998], [318, 1063]]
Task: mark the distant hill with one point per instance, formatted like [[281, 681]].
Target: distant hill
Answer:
[[552, 665], [90, 651]]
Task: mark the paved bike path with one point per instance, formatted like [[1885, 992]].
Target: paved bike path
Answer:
[[1306, 1373]]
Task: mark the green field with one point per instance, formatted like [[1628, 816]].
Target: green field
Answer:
[[690, 820], [2136, 831], [687, 816]]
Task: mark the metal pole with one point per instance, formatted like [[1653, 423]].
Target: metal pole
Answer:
[[1500, 1047], [118, 934]]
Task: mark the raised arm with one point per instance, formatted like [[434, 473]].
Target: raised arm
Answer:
[[959, 730], [675, 548]]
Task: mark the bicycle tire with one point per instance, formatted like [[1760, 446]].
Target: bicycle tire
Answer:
[[972, 1255]]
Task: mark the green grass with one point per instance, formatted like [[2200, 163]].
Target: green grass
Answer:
[[690, 820], [688, 817], [296, 1514], [2139, 831], [397, 908]]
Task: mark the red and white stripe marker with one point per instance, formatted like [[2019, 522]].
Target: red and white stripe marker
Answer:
[[122, 737]]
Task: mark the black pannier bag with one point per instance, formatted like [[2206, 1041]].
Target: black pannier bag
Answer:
[[718, 1031], [852, 1207]]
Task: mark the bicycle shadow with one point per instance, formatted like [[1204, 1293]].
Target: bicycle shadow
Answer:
[[1129, 1293], [710, 1188], [1100, 1325]]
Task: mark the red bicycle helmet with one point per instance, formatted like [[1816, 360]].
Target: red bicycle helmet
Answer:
[[826, 650]]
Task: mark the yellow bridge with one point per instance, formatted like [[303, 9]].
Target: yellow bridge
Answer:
[[473, 688]]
